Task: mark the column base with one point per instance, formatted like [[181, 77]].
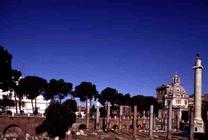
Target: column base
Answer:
[[198, 126]]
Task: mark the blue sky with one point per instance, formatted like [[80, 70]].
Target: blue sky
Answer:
[[133, 46]]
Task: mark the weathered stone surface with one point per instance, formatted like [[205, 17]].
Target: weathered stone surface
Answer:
[[198, 122], [24, 123]]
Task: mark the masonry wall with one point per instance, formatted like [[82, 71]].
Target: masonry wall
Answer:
[[25, 123]]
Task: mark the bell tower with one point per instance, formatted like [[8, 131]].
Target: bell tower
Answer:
[[176, 80]]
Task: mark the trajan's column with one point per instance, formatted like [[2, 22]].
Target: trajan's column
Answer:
[[198, 122]]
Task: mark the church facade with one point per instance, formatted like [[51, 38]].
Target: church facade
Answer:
[[175, 93]]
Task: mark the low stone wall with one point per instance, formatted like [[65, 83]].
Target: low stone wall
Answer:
[[24, 124], [27, 124]]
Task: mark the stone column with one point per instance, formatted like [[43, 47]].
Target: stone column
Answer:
[[198, 122], [169, 129], [178, 119], [135, 122], [154, 121], [144, 114], [191, 123], [151, 122], [79, 111], [97, 125], [144, 120], [108, 114], [87, 114], [120, 117]]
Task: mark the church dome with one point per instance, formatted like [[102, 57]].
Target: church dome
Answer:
[[175, 86]]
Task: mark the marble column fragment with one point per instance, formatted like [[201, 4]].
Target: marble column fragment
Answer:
[[97, 117], [169, 129], [108, 114], [134, 122], [120, 117], [151, 122], [87, 114]]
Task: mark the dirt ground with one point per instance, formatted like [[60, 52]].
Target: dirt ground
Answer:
[[124, 136]]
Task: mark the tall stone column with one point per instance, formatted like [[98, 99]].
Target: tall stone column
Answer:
[[154, 121], [198, 122], [191, 123], [108, 114], [134, 122], [97, 124], [144, 116], [87, 113], [151, 122], [178, 119], [144, 119], [169, 129], [120, 116]]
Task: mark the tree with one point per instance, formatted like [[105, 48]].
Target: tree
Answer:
[[8, 76], [71, 104], [57, 89], [123, 99], [59, 118], [33, 86], [144, 102], [5, 69], [51, 90], [6, 102], [109, 95], [20, 92], [85, 91], [14, 85], [127, 99], [65, 89]]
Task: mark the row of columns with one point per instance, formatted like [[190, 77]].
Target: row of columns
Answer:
[[151, 119], [151, 124], [195, 113]]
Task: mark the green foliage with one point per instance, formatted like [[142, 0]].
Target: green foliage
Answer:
[[110, 95], [19, 91], [144, 102], [6, 101], [71, 104], [15, 78], [32, 86], [86, 90], [16, 74], [8, 76], [5, 69], [123, 99], [57, 88], [59, 118]]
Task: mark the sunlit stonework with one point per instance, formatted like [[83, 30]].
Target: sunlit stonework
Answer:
[[177, 94]]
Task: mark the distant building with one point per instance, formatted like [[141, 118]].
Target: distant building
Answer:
[[180, 101], [26, 105], [205, 97]]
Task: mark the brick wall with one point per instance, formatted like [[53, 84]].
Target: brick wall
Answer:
[[25, 123]]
